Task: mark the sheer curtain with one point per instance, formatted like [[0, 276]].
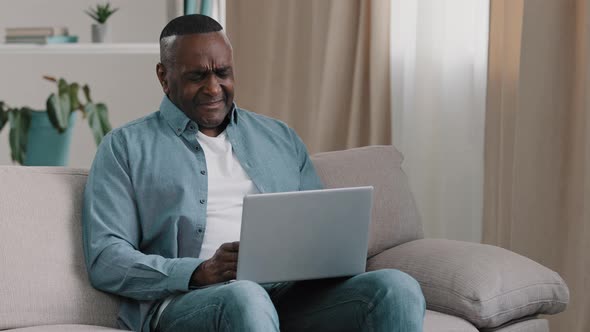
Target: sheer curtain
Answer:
[[439, 72]]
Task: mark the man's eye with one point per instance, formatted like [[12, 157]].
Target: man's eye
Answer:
[[222, 73], [196, 78]]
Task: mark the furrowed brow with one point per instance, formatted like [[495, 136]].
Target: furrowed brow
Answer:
[[196, 72]]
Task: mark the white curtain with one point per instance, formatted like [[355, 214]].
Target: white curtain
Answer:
[[218, 12], [439, 73]]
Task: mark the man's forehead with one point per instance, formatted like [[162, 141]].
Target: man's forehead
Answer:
[[206, 45], [202, 40]]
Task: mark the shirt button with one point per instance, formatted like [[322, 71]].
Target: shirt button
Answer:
[[198, 148], [202, 201], [192, 127], [203, 172], [200, 230]]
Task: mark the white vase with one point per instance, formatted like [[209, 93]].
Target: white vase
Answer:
[[101, 33]]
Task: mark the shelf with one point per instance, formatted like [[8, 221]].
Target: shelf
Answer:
[[80, 48]]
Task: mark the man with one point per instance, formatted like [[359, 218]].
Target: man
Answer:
[[162, 210]]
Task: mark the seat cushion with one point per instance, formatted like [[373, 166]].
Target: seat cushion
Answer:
[[66, 328], [395, 217], [439, 322], [43, 279], [530, 325]]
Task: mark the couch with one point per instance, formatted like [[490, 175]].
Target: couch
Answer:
[[468, 287]]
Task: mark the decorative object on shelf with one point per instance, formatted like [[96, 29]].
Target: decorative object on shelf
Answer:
[[100, 30], [42, 138], [39, 35]]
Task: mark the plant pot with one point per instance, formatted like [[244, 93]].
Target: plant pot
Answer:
[[101, 33], [46, 146]]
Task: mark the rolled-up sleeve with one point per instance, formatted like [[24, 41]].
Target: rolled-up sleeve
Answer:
[[112, 233]]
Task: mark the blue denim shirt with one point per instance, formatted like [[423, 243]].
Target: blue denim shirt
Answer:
[[145, 202]]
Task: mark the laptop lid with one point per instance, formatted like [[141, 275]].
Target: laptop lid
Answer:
[[304, 235]]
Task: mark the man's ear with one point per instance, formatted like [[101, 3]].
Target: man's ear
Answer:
[[161, 73]]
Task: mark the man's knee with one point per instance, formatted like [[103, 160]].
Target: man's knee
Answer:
[[246, 303], [241, 305], [396, 288], [244, 293]]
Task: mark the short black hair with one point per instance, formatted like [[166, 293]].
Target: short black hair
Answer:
[[189, 24]]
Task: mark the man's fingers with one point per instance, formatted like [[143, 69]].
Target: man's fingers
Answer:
[[226, 261], [230, 246], [229, 275], [232, 266], [228, 256], [224, 267], [217, 269]]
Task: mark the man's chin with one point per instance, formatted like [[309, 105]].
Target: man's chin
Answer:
[[212, 122], [210, 118]]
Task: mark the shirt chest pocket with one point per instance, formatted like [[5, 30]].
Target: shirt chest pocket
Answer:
[[170, 191]]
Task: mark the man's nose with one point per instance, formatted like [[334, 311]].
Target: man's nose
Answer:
[[212, 87]]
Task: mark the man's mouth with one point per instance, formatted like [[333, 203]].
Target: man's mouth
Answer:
[[213, 104]]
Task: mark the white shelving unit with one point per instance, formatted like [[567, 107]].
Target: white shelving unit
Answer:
[[120, 74], [80, 48]]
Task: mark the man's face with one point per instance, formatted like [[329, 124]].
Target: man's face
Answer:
[[200, 79]]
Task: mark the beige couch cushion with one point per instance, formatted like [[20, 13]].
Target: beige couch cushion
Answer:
[[486, 285], [43, 278], [531, 325], [439, 322], [395, 217]]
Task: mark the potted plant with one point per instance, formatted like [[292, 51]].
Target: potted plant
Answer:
[[100, 14], [42, 138]]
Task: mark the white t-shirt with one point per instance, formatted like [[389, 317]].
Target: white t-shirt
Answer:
[[228, 183]]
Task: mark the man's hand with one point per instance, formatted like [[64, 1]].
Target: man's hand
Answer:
[[219, 268]]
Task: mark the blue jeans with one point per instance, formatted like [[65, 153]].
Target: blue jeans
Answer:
[[384, 300]]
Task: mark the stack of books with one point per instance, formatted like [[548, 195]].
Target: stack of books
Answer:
[[39, 35]]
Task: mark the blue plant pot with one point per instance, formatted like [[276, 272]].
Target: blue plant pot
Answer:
[[46, 146]]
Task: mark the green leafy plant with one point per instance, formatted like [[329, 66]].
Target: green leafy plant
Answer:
[[101, 13], [59, 107]]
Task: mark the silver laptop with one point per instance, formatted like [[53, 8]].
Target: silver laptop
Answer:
[[304, 235]]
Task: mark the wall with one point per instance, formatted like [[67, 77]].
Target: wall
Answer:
[[127, 83]]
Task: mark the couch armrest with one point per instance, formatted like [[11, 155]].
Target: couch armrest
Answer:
[[486, 285]]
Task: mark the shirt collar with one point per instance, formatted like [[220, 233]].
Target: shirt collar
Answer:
[[178, 120]]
